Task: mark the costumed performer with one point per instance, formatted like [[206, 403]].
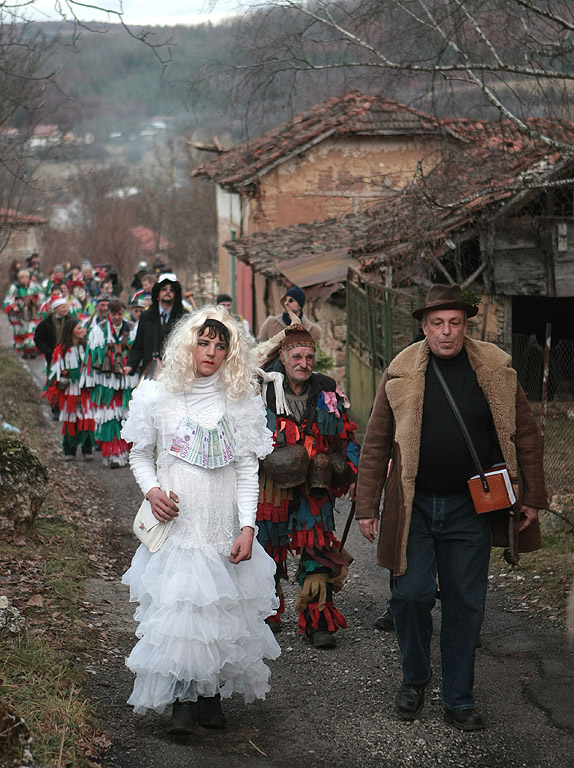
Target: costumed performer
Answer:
[[204, 596], [21, 304], [110, 388], [67, 391], [297, 497]]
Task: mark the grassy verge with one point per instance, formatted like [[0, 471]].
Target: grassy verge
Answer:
[[41, 573], [542, 582]]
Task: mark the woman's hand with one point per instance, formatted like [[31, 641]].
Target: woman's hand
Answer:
[[242, 546], [163, 507]]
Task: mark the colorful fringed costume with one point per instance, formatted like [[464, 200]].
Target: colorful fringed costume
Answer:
[[110, 390], [72, 400], [301, 519], [21, 304]]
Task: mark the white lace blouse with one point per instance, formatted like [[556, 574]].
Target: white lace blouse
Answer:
[[225, 436]]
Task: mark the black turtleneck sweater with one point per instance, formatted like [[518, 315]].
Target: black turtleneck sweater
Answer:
[[445, 463]]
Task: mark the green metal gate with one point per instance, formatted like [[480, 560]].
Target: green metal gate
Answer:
[[379, 325]]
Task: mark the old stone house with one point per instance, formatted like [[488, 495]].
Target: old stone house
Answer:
[[334, 159], [19, 237], [496, 215]]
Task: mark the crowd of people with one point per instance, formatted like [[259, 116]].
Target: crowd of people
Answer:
[[244, 448], [76, 319]]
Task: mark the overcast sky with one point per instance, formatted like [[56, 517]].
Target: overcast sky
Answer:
[[154, 12]]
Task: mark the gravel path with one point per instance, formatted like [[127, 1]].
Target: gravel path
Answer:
[[334, 709]]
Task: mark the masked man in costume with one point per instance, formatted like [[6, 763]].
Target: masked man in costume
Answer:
[[110, 388], [297, 493]]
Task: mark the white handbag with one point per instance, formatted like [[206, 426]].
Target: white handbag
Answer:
[[150, 531]]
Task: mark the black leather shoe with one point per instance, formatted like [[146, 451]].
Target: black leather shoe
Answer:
[[464, 719], [323, 639], [275, 626], [385, 621], [409, 701], [210, 714], [183, 717]]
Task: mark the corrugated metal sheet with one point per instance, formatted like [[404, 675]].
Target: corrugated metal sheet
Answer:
[[315, 268]]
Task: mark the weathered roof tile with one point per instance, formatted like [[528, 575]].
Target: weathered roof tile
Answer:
[[354, 113], [486, 172]]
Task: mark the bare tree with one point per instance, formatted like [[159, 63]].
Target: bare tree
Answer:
[[25, 81], [23, 54], [72, 11], [178, 210], [506, 58]]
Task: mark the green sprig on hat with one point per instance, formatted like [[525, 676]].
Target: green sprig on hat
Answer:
[[471, 297]]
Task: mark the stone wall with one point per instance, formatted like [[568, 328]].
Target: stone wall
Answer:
[[332, 320]]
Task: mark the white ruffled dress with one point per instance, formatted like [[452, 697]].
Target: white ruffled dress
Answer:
[[201, 619]]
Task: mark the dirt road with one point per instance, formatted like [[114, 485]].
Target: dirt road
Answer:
[[329, 709]]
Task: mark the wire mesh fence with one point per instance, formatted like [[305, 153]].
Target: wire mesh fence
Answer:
[[552, 402]]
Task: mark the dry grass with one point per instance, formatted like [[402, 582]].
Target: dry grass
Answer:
[[42, 669], [542, 581]]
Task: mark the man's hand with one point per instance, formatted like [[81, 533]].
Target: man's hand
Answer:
[[352, 491], [126, 370], [369, 527], [527, 516], [241, 549], [163, 508]]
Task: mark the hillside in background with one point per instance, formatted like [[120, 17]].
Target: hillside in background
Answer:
[[110, 83], [246, 75]]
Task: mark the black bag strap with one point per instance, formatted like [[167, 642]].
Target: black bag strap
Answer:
[[462, 424]]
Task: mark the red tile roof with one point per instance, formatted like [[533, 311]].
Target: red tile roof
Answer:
[[263, 251], [354, 113], [11, 216], [495, 168], [148, 240], [498, 168]]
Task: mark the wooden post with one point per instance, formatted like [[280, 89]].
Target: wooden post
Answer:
[[545, 375], [484, 319]]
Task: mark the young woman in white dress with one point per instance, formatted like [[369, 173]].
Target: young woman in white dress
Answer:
[[204, 596]]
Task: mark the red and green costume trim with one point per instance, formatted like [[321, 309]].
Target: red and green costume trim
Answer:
[[110, 390], [73, 402], [21, 304], [297, 521]]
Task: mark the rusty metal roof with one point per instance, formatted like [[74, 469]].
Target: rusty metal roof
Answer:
[[311, 269]]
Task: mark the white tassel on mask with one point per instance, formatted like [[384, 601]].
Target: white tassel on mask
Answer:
[[276, 378]]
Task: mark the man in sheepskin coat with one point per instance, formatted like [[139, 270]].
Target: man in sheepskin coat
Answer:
[[428, 524]]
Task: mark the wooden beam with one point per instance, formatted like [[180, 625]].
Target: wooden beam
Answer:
[[442, 269], [475, 274]]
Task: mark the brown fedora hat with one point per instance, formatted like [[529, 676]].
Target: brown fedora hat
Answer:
[[445, 297]]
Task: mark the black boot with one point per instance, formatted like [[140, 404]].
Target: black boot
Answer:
[[385, 621], [183, 717], [321, 637], [210, 714]]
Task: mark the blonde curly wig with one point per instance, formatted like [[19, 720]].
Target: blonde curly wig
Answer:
[[179, 371]]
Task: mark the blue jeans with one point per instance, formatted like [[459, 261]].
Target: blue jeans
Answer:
[[446, 538]]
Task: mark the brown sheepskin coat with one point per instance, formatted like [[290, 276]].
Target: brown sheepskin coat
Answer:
[[393, 435]]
